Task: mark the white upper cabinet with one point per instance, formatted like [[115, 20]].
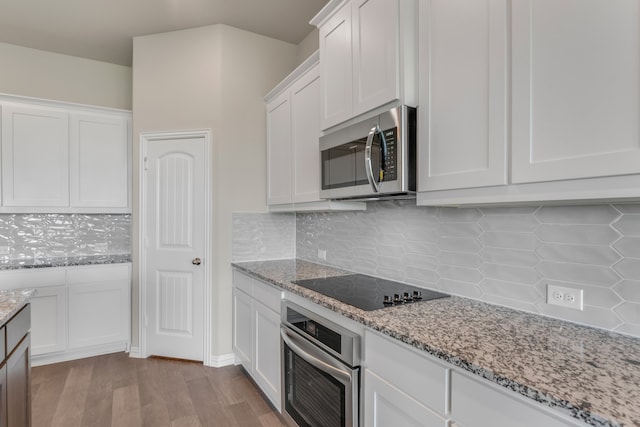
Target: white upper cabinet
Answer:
[[572, 124], [35, 156], [305, 129], [368, 57], [463, 94], [64, 158], [279, 150], [99, 154], [293, 152], [576, 91], [337, 68]]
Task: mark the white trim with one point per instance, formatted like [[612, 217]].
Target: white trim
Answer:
[[134, 353], [222, 360], [64, 356], [5, 97], [145, 139]]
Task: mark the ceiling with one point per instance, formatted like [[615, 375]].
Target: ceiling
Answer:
[[103, 29]]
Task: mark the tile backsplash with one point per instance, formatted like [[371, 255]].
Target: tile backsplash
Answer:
[[36, 236], [263, 236], [501, 255]]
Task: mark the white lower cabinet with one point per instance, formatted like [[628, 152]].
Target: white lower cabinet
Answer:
[[48, 320], [478, 403], [386, 405], [256, 333], [77, 311], [98, 306], [402, 386], [406, 387]]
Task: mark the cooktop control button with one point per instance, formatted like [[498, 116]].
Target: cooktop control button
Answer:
[[417, 295]]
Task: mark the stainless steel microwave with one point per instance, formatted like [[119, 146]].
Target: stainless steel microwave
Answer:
[[372, 159]]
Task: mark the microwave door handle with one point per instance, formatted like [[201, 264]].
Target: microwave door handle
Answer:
[[367, 159]]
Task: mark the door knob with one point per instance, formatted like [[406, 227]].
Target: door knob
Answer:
[[196, 261]]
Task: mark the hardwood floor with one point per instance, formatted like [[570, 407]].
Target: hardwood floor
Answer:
[[117, 391]]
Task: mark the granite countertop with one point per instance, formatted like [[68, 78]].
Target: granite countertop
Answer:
[[64, 261], [11, 301], [526, 353]]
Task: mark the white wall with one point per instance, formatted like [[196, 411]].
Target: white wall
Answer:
[[212, 77], [47, 75], [309, 45]]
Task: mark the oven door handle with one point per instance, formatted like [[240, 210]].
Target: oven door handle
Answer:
[[314, 356]]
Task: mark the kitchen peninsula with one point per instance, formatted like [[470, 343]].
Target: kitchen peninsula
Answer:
[[586, 373]]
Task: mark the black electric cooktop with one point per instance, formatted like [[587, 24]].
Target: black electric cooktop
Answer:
[[368, 293]]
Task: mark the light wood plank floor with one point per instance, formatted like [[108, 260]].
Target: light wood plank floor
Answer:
[[117, 391]]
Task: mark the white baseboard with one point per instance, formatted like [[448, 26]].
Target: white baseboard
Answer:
[[64, 356], [134, 352], [221, 360]]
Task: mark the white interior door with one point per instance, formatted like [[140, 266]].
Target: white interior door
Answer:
[[175, 224]]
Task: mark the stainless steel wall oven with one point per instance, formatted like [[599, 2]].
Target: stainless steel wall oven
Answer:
[[320, 370]]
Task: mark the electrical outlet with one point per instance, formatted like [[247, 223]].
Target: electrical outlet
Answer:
[[322, 254], [565, 297]]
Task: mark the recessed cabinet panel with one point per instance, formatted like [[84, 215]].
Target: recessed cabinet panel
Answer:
[[385, 405], [375, 55], [35, 156], [336, 68], [98, 313], [279, 150], [242, 327], [48, 320], [267, 351], [305, 127], [463, 94], [576, 91], [99, 161]]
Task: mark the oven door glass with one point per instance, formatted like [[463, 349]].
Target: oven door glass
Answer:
[[319, 390], [313, 398]]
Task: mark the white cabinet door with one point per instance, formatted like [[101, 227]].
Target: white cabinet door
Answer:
[[385, 405], [49, 320], [266, 360], [98, 313], [336, 68], [305, 128], [243, 328], [279, 150], [35, 156], [99, 154], [375, 32], [463, 94], [576, 92]]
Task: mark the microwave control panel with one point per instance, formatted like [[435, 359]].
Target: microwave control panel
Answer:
[[390, 172]]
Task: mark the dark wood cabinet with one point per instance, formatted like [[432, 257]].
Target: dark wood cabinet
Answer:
[[15, 371]]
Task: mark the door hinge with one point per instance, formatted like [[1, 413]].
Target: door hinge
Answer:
[[146, 163]]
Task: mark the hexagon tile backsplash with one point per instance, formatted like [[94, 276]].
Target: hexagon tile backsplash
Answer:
[[501, 255]]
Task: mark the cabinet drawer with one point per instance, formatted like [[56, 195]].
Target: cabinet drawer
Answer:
[[18, 327], [93, 274], [411, 372], [243, 282], [267, 296], [476, 403], [33, 278]]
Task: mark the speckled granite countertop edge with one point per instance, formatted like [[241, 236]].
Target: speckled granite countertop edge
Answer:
[[64, 261], [281, 280], [12, 301]]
